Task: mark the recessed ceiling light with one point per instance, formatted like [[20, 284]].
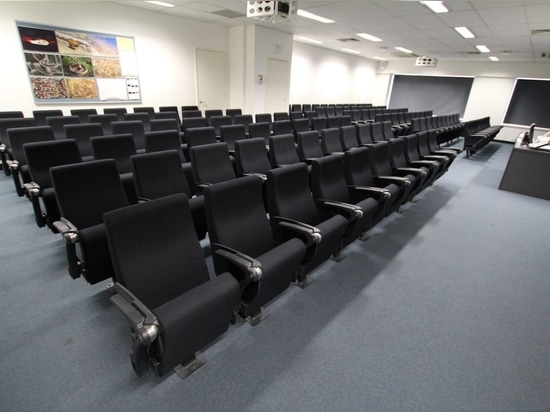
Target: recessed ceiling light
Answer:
[[351, 51], [307, 39], [482, 48], [494, 58], [404, 50], [161, 3], [369, 37], [465, 32], [435, 6], [379, 58], [312, 16]]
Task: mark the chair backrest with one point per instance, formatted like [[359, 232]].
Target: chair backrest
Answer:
[[328, 179], [133, 127], [218, 121], [211, 163], [165, 259], [281, 127], [119, 147], [263, 118], [166, 114], [244, 119], [411, 147], [144, 109], [192, 122], [318, 123], [333, 121], [58, 123], [330, 141], [423, 144], [41, 156], [397, 152], [300, 125], [262, 130], [104, 120], [345, 120], [282, 150], [363, 133], [186, 114], [142, 117], [376, 132], [11, 114], [85, 191], [82, 133], [348, 137], [289, 194], [234, 205], [200, 136], [164, 124], [83, 114], [159, 174], [380, 159], [280, 116], [117, 111], [40, 115], [231, 133], [19, 136], [212, 112], [160, 140], [387, 130], [309, 145], [168, 109], [189, 108], [233, 112], [357, 167], [251, 156]]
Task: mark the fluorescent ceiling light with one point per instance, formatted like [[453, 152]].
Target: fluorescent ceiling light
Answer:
[[404, 50], [161, 3], [312, 16], [482, 48], [435, 6], [379, 58], [351, 51], [465, 32], [369, 37], [307, 39], [494, 58]]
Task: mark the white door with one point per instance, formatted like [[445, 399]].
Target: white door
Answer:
[[211, 70], [277, 86]]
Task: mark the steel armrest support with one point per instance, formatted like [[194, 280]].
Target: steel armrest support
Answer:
[[424, 163], [396, 179], [413, 170], [34, 191], [69, 232], [262, 176], [309, 234], [144, 324], [376, 192], [248, 266]]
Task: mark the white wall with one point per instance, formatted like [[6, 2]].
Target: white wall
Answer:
[[165, 48], [491, 90], [325, 76]]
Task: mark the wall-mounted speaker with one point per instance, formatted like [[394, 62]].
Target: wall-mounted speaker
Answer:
[[382, 65]]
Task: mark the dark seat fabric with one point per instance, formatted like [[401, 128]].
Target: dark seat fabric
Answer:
[[289, 197], [133, 127], [232, 206], [84, 192], [417, 175], [159, 262], [251, 156], [82, 133], [211, 164], [309, 146]]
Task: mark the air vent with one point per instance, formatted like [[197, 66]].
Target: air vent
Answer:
[[350, 39], [540, 32]]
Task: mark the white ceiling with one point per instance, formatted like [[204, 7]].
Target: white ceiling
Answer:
[[505, 27]]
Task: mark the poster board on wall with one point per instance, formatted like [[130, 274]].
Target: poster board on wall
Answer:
[[76, 66]]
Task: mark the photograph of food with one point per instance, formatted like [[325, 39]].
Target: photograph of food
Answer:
[[38, 39], [74, 66], [82, 89], [72, 42], [103, 46], [40, 64], [106, 68], [45, 88]]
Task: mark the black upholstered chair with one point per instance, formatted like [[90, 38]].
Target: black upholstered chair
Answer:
[[159, 140], [244, 119], [18, 162], [417, 175], [231, 133], [218, 121], [161, 174], [40, 115], [104, 120], [83, 114], [42, 156], [282, 150], [84, 192], [233, 112], [82, 133], [364, 134], [282, 127], [142, 117], [163, 287], [197, 136], [146, 109], [357, 166], [348, 137], [446, 157], [309, 146], [240, 233], [434, 167], [330, 141], [262, 130], [11, 114], [290, 203], [57, 123], [211, 164], [133, 127], [334, 196], [251, 157], [117, 111]]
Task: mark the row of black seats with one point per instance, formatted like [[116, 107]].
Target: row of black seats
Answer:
[[449, 127], [478, 133]]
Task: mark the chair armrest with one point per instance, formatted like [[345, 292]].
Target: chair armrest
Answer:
[[12, 164], [202, 185], [395, 179], [144, 324], [262, 176], [68, 231], [413, 170], [351, 211], [34, 191], [309, 234], [248, 266], [373, 191], [2, 148], [424, 163], [435, 157]]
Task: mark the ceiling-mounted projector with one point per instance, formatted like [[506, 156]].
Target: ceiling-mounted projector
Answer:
[[269, 10], [426, 61]]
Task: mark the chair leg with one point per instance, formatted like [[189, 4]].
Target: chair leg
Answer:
[[302, 281], [183, 370], [253, 320]]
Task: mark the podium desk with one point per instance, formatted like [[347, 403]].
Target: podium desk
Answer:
[[528, 172]]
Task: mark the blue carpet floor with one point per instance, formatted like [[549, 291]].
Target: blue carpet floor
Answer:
[[445, 308]]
